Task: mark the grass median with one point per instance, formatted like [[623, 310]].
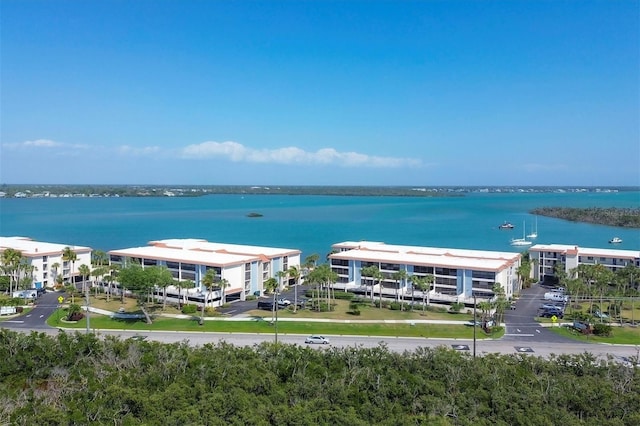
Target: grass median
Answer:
[[260, 325], [619, 335]]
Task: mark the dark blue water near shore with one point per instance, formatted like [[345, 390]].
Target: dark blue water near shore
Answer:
[[313, 223]]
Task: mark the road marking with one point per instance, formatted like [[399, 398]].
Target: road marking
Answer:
[[524, 335], [19, 322], [537, 331], [41, 316], [518, 330], [28, 315]]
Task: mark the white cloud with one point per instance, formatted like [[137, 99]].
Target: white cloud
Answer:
[[292, 155], [136, 152], [44, 143]]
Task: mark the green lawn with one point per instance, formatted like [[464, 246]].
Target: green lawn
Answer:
[[259, 325], [367, 312], [620, 335]]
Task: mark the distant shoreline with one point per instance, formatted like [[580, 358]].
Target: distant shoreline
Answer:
[[619, 217], [68, 191]]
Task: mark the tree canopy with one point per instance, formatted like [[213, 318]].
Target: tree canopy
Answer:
[[82, 379]]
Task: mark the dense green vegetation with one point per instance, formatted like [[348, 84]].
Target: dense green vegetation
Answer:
[[622, 217], [74, 379]]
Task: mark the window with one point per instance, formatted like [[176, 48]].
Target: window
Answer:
[[446, 271], [486, 275], [339, 262], [285, 263], [423, 269]]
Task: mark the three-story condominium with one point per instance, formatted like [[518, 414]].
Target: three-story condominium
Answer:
[[43, 262], [244, 267], [458, 274], [547, 256]]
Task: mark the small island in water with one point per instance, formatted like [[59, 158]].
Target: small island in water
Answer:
[[610, 216], [254, 214]]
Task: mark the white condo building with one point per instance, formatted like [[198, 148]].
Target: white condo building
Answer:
[[245, 268], [459, 274], [546, 256], [46, 258]]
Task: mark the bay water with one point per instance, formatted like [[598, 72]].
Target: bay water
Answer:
[[312, 223]]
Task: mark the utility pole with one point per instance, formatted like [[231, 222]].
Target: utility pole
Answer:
[[87, 306], [276, 324], [474, 326]]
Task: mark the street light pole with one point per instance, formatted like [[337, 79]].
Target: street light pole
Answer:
[[87, 305], [276, 325], [474, 326]]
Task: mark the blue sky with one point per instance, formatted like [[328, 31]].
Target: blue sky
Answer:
[[418, 93]]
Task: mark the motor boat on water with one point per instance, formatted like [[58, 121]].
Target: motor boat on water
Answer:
[[506, 225], [615, 240]]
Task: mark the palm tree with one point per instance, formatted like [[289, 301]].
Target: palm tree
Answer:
[[271, 285], [374, 273], [99, 272], [223, 283], [55, 268], [11, 260], [294, 273], [84, 271], [423, 284], [99, 258], [208, 281], [282, 275], [399, 277], [68, 255]]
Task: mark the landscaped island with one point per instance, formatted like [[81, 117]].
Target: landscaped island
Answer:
[[613, 216]]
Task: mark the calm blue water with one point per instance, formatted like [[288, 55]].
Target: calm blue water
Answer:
[[312, 223]]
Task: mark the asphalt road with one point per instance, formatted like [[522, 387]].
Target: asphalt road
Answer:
[[523, 334]]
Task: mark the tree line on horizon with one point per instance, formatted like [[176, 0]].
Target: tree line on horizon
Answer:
[[611, 216]]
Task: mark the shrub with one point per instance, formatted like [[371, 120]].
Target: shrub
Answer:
[[189, 309], [456, 307], [19, 309], [395, 306], [338, 295], [602, 330], [251, 297], [76, 316]]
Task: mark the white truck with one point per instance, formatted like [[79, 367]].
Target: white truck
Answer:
[[556, 297]]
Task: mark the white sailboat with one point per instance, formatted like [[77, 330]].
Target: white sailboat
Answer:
[[534, 233], [521, 241]]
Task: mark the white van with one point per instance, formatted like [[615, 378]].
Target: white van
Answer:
[[556, 297]]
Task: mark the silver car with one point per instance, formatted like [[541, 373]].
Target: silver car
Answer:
[[317, 339]]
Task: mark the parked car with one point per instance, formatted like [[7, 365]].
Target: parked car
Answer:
[[550, 314], [599, 314], [478, 323], [317, 339], [284, 302], [548, 306], [267, 305]]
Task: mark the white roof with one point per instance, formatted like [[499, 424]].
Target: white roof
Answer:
[[197, 244], [197, 257], [202, 252], [31, 248], [588, 251], [432, 256]]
